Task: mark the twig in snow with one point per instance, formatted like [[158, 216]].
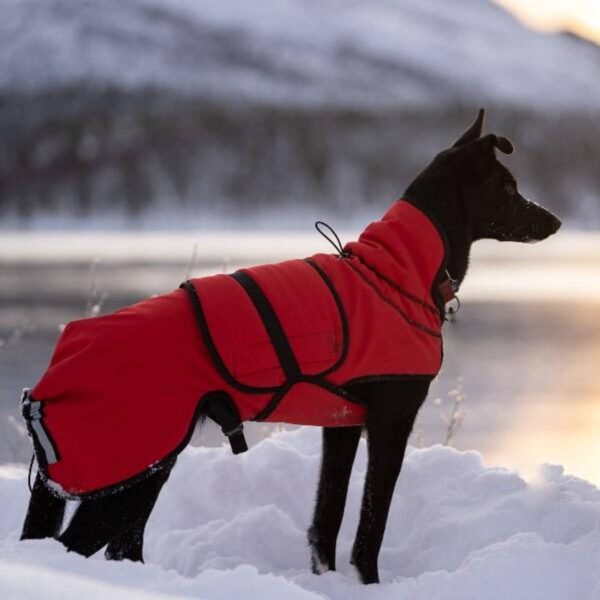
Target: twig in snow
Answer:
[[454, 418], [192, 261], [226, 264], [18, 333], [95, 299]]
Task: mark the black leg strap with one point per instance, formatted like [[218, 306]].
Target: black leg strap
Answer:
[[220, 407], [274, 329]]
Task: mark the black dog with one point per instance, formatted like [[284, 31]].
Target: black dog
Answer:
[[470, 196]]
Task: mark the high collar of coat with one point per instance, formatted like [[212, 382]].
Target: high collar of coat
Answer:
[[408, 248]]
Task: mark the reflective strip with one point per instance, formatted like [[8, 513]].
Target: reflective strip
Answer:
[[32, 413], [44, 441]]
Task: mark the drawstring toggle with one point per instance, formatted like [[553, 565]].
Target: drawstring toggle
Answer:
[[335, 242]]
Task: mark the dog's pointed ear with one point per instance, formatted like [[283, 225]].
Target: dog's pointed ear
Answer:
[[504, 145], [473, 132], [485, 146]]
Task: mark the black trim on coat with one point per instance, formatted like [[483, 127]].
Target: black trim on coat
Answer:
[[342, 314], [387, 377]]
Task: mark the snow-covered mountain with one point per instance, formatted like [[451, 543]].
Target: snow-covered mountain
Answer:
[[124, 107], [306, 52]]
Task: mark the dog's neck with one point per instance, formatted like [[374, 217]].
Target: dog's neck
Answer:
[[452, 221]]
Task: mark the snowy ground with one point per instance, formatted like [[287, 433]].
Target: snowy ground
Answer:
[[234, 527]]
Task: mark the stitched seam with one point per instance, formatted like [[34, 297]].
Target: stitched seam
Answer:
[[410, 321], [399, 289]]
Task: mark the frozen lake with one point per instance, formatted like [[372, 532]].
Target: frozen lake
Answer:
[[525, 348]]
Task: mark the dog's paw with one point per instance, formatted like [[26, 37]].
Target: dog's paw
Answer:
[[321, 560], [319, 566], [365, 568]]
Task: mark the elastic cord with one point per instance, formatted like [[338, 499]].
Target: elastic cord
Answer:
[[336, 243]]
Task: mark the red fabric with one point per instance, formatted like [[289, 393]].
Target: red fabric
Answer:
[[121, 390]]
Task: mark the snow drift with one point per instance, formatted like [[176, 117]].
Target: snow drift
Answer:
[[227, 526]]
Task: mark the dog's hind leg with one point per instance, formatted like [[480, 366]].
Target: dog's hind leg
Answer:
[[117, 517], [392, 411], [339, 450], [45, 513], [129, 545]]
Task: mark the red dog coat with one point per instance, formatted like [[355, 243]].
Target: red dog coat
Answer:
[[123, 391]]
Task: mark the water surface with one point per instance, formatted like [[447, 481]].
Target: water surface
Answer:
[[524, 351]]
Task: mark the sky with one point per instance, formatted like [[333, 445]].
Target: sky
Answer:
[[580, 16]]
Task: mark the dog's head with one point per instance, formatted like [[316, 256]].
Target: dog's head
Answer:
[[486, 189]]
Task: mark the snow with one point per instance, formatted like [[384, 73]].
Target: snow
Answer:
[[228, 527], [298, 52]]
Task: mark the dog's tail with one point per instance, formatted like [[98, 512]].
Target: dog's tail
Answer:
[[45, 513]]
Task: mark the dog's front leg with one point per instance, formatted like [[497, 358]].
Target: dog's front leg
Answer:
[[393, 408], [339, 450]]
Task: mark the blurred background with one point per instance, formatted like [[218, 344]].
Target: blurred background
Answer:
[[143, 141]]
